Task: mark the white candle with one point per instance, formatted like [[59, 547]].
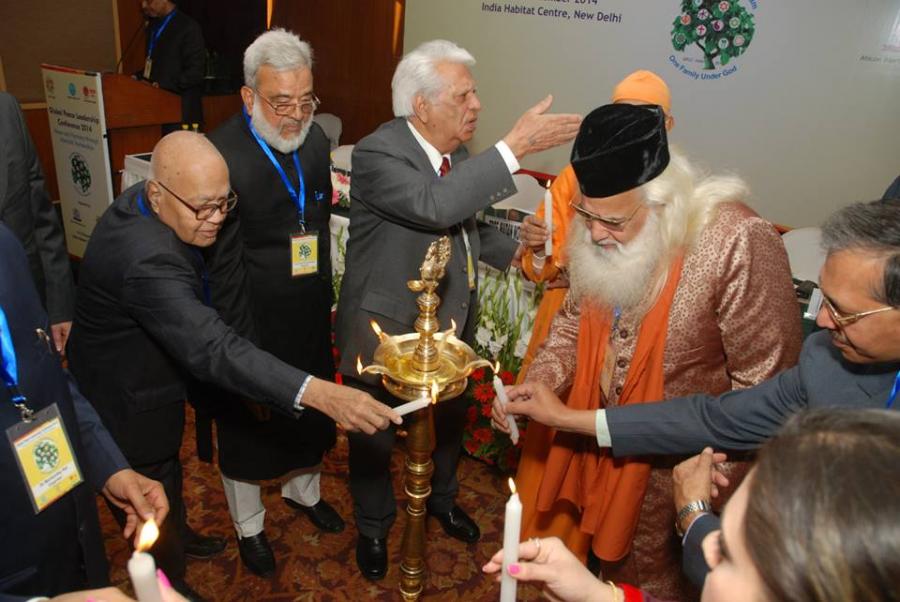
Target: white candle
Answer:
[[142, 570], [512, 525], [412, 406], [510, 419], [548, 219]]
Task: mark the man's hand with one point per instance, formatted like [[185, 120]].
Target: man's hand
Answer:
[[516, 261], [537, 130], [141, 498], [697, 478], [60, 332], [107, 594], [534, 400], [533, 233], [352, 409]]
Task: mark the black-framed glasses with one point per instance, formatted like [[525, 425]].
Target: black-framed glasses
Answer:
[[616, 224], [842, 319], [284, 109], [206, 211]]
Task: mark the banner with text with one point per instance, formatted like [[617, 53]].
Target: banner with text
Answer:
[[78, 133]]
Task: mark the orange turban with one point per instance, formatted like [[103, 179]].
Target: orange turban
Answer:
[[644, 86]]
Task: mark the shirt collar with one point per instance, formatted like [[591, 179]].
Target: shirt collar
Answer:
[[434, 155]]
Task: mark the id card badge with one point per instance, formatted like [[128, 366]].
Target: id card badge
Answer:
[[304, 254], [148, 66], [44, 454]]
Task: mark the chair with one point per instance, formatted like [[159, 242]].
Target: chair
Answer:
[[332, 126], [805, 253], [340, 158]]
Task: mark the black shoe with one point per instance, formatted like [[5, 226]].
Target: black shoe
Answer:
[[371, 557], [321, 514], [201, 546], [185, 590], [457, 523], [257, 554]]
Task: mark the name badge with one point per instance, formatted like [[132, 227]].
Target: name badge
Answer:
[[304, 254], [44, 455], [148, 66]]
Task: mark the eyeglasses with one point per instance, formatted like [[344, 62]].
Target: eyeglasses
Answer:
[[206, 211], [284, 109], [616, 224], [842, 319]]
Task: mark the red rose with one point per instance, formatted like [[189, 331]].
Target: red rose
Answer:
[[484, 392], [486, 410], [507, 377], [482, 435], [478, 375]]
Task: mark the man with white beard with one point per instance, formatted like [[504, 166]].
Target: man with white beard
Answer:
[[270, 277], [676, 287]]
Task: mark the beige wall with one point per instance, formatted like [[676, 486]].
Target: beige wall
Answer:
[[75, 34]]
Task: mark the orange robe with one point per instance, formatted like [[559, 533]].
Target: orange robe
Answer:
[[563, 521]]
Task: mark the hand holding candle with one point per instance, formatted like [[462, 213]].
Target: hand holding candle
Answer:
[[418, 404], [501, 395], [548, 219], [512, 525], [142, 568]]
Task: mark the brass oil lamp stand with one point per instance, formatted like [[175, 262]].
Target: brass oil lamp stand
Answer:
[[416, 366]]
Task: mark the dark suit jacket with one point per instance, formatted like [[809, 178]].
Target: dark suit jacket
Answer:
[[179, 62], [893, 191], [61, 548], [399, 206], [26, 208], [693, 563], [142, 331], [744, 419]]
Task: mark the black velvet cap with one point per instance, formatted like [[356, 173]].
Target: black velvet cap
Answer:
[[620, 147]]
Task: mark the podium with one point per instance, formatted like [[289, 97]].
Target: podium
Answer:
[[135, 112]]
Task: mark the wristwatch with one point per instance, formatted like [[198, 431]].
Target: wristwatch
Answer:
[[687, 509]]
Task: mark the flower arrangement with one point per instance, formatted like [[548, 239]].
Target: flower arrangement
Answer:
[[507, 306], [340, 188]]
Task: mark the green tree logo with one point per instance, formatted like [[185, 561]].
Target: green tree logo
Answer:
[[304, 251], [81, 173], [722, 30], [46, 455]]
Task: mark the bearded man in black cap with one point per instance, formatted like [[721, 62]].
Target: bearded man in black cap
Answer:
[[676, 287]]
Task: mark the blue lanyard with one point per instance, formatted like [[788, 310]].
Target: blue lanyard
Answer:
[[204, 275], [158, 32], [8, 368], [896, 387], [298, 195]]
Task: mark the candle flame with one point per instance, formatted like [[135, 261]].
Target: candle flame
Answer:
[[377, 329], [512, 485], [149, 534], [359, 366], [496, 368], [452, 326], [435, 391]]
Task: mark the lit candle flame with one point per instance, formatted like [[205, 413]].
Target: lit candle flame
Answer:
[[148, 536], [496, 368], [452, 326], [377, 329], [435, 391], [512, 485], [359, 366]]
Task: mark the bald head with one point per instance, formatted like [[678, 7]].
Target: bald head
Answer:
[[188, 174]]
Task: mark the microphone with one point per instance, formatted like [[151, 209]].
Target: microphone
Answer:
[[134, 36]]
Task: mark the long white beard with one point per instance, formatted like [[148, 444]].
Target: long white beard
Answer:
[[615, 275], [271, 134]]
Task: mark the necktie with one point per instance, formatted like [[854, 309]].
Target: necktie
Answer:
[[445, 166]]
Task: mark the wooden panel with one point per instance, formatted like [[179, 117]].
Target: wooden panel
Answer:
[[130, 141], [39, 127], [356, 50], [131, 29], [217, 109]]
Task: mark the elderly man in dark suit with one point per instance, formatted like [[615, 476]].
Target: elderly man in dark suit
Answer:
[[60, 548], [413, 182], [854, 362], [143, 326], [26, 208]]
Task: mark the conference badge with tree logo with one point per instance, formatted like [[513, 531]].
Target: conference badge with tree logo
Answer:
[[721, 30]]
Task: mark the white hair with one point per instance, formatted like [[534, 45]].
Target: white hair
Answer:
[[688, 198], [280, 49], [417, 73]]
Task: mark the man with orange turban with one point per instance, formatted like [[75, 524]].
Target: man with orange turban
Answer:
[[676, 287]]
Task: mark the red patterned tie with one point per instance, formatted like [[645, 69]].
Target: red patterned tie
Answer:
[[445, 166]]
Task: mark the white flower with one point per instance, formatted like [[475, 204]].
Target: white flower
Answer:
[[495, 347], [522, 346], [483, 336]]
